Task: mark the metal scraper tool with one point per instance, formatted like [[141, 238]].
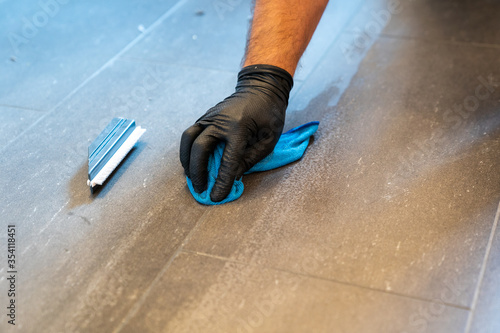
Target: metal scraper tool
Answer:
[[110, 148]]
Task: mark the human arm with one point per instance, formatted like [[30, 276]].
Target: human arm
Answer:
[[281, 31], [251, 120]]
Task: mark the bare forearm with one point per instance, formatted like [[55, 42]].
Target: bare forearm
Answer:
[[281, 31]]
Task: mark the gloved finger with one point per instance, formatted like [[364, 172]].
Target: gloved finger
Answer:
[[201, 150], [231, 160], [252, 156], [187, 139], [265, 141]]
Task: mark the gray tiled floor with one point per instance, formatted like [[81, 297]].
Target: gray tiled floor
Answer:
[[488, 305], [64, 49], [15, 121], [214, 295], [388, 223], [465, 21], [448, 20]]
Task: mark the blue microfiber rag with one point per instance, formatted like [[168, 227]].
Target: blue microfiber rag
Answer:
[[290, 147]]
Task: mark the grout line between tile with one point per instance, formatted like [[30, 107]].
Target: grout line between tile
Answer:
[[165, 63], [110, 62], [138, 304], [447, 42], [22, 108], [159, 62], [483, 271], [421, 39], [329, 280]]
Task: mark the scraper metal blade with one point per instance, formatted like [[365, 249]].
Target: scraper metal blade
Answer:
[[110, 148]]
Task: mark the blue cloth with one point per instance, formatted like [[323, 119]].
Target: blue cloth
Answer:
[[290, 148]]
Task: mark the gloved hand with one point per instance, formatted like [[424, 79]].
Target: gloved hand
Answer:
[[249, 122]]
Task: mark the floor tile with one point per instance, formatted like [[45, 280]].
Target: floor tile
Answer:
[[447, 20], [201, 294], [485, 319], [94, 256], [213, 35], [383, 226], [334, 72], [208, 34], [397, 192], [47, 51], [337, 14], [14, 121]]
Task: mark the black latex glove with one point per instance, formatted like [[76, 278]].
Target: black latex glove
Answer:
[[249, 122]]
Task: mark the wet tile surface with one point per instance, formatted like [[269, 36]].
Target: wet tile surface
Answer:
[[392, 207]]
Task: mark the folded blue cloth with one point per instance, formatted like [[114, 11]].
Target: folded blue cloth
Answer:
[[290, 147]]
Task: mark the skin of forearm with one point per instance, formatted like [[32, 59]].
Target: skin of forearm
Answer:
[[281, 31]]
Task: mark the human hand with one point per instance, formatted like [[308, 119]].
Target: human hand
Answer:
[[249, 122]]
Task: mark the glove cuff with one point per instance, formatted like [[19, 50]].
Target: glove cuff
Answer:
[[277, 79]]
